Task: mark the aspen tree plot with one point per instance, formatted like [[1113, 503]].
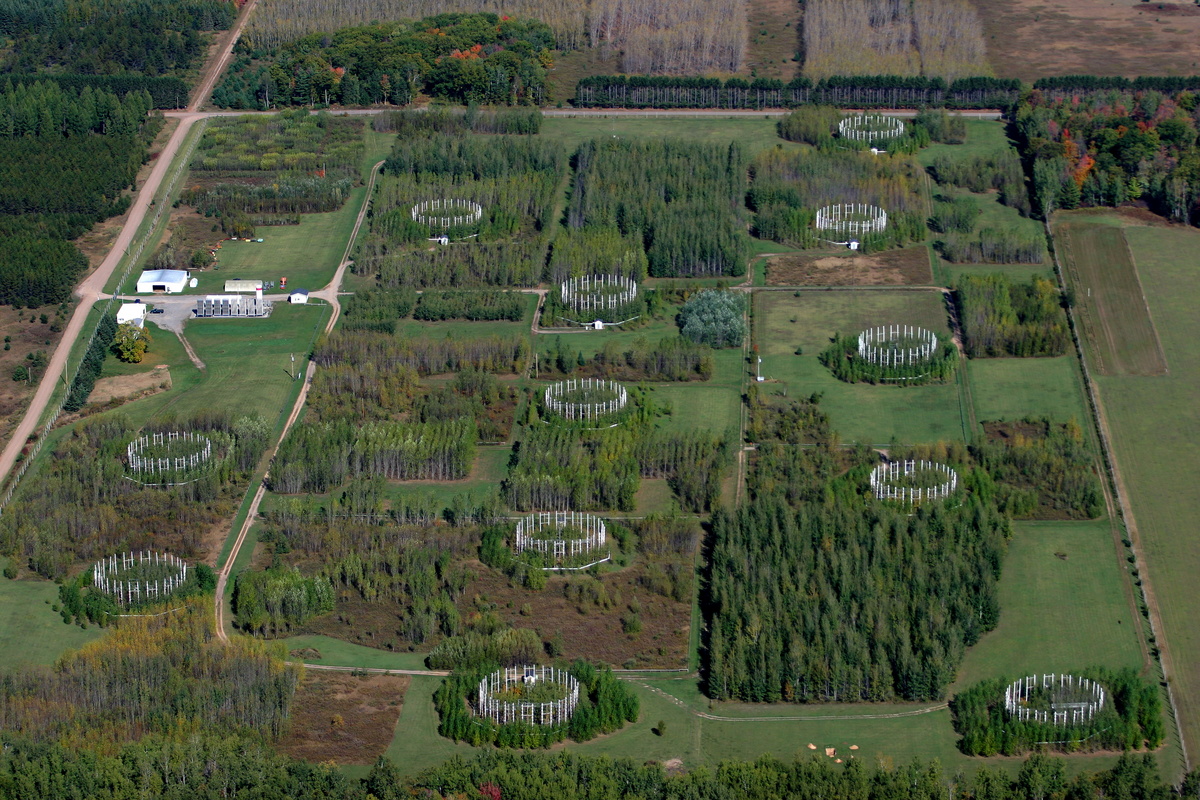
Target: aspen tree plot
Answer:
[[603, 297], [851, 219], [900, 354], [168, 458], [1054, 699], [441, 214]]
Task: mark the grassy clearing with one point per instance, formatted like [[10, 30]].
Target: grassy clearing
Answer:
[[491, 465], [1155, 439], [1109, 299], [30, 631], [860, 412], [336, 652], [1063, 605], [1015, 388]]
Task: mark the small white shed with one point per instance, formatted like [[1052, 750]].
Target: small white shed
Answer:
[[298, 296], [170, 281]]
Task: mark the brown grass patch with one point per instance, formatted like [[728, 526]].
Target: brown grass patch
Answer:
[[344, 718], [26, 337], [1028, 39], [122, 386], [1004, 431], [773, 36], [907, 267]]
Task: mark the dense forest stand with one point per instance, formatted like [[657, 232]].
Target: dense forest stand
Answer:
[[593, 294], [851, 219], [443, 214], [870, 128], [1054, 699], [530, 694], [897, 345], [913, 482], [561, 535], [132, 578], [586, 399]]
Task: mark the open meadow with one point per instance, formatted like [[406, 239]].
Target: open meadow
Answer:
[[1145, 414]]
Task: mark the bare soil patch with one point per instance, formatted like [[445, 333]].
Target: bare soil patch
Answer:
[[125, 386], [344, 718], [906, 267], [1028, 39], [1007, 431]]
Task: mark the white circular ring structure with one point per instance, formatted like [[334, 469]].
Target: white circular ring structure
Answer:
[[870, 127], [447, 213], [153, 465], [598, 292], [542, 533], [555, 712], [855, 219], [108, 575], [886, 482], [1066, 699], [586, 399], [897, 345]]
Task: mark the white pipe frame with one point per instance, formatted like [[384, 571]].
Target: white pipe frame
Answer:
[[870, 127], [151, 465], [473, 213], [555, 712], [877, 345], [585, 411], [598, 292], [106, 576], [540, 533], [884, 480], [1073, 700], [855, 219]]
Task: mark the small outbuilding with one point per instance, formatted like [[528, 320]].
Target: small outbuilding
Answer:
[[132, 312], [169, 281], [243, 286], [298, 296]]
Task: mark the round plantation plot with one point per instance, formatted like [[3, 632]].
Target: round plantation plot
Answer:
[[530, 694], [913, 482], [870, 128], [852, 219], [562, 536], [171, 454], [447, 213], [586, 399], [1054, 699], [897, 346], [593, 294], [132, 578]]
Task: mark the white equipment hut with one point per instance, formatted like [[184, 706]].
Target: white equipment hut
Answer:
[[298, 296], [170, 281], [132, 312]]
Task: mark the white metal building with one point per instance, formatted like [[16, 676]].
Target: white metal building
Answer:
[[298, 296], [132, 312], [170, 281]]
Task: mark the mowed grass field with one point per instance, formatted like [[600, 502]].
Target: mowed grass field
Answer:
[[785, 321], [1016, 388], [31, 632], [1155, 433], [1109, 298]]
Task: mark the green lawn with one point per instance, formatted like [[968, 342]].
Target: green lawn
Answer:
[[335, 652], [859, 412], [1016, 388], [1063, 605], [30, 631]]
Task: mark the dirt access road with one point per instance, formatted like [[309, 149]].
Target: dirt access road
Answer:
[[90, 290]]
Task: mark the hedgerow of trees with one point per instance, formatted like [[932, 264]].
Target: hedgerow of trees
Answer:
[[1002, 318], [846, 603], [682, 198], [1131, 719]]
